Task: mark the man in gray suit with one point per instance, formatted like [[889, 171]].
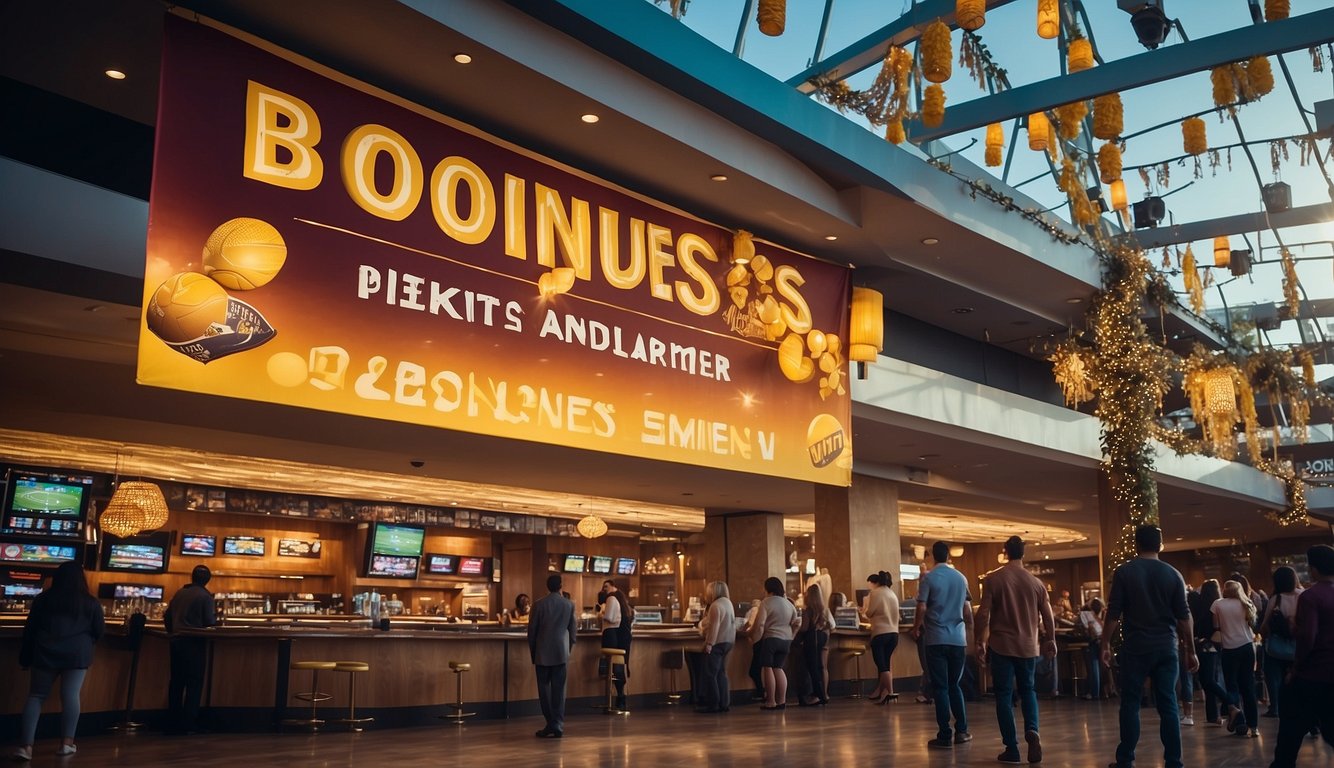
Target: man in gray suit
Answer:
[[551, 634]]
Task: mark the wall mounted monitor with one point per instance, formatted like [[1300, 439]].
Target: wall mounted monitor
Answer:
[[141, 554], [36, 553], [300, 548], [472, 566], [599, 564], [247, 546], [22, 590], [199, 544], [625, 566], [574, 564], [442, 565], [130, 591], [46, 504], [394, 550]]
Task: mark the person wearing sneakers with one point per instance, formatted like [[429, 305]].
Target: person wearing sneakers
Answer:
[[1012, 609], [941, 624], [1234, 615], [64, 624], [1148, 598]]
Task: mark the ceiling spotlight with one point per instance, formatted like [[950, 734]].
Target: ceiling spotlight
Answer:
[[1277, 197], [1240, 262], [115, 74], [589, 118], [1149, 211], [463, 58], [1148, 19], [930, 240], [1096, 199], [962, 310], [718, 177], [831, 238], [1075, 300]]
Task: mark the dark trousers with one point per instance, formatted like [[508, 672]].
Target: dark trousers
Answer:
[[1215, 695], [754, 670], [1275, 671], [1306, 704], [1093, 660], [945, 664], [551, 695], [1010, 674], [813, 648], [1239, 675], [714, 689], [189, 657], [1159, 668]]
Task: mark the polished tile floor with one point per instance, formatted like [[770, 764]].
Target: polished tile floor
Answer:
[[845, 733]]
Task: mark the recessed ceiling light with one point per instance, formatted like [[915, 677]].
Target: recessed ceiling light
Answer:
[[928, 456], [718, 177], [930, 240], [590, 118], [831, 238], [962, 310], [463, 58], [115, 74], [1075, 300]]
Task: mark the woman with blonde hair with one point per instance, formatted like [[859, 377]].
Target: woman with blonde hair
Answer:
[[719, 629], [816, 624], [1234, 617]]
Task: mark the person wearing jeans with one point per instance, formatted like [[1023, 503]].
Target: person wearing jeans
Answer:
[[1305, 696], [1234, 615], [719, 630], [943, 613], [1148, 598]]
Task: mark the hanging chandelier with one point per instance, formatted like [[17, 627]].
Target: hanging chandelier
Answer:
[[591, 527]]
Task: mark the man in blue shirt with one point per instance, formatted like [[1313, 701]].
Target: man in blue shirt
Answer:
[[941, 625]]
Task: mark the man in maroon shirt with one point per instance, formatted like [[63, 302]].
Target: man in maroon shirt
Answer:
[[1306, 697]]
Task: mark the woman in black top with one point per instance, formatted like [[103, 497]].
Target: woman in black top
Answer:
[[1207, 650], [616, 623], [58, 638]]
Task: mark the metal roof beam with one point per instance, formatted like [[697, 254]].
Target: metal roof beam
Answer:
[[1150, 67], [870, 50], [1194, 231]]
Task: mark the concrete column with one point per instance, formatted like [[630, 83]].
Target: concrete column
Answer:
[[743, 549], [857, 532]]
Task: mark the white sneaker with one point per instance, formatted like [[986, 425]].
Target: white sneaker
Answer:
[[1187, 720], [66, 749], [23, 753]]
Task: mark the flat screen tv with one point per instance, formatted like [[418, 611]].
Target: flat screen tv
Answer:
[[130, 591], [37, 554], [442, 564], [625, 566], [472, 566], [574, 564], [248, 546], [199, 544], [141, 554], [394, 550], [599, 564], [45, 504], [23, 590], [300, 548]]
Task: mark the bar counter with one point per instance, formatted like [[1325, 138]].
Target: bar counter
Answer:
[[249, 684]]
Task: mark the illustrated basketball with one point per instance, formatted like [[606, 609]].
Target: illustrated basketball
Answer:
[[244, 254], [184, 307]]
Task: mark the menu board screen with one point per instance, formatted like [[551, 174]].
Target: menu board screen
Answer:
[[472, 566], [442, 564], [299, 548]]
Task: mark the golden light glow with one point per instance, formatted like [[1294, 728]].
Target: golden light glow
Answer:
[[557, 281], [115, 74], [743, 247], [591, 527], [1049, 19], [144, 497], [1039, 131], [866, 332], [1220, 394], [1222, 252], [1119, 202]]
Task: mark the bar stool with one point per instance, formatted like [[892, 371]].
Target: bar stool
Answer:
[[1076, 651], [131, 641], [614, 657], [458, 716], [314, 695], [672, 661], [856, 652], [352, 668]]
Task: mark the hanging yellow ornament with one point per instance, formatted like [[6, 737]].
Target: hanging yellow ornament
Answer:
[[1079, 55], [1053, 148], [970, 14], [894, 133], [1194, 140], [1291, 286], [772, 17], [936, 54], [1190, 279], [1259, 76], [995, 144], [1219, 391], [1049, 19], [1038, 131], [1308, 367], [1276, 9], [1222, 251], [933, 106], [1225, 86], [1070, 118], [1071, 374], [1119, 201], [1108, 116], [1109, 162]]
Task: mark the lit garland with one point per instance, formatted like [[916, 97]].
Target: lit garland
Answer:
[[1072, 372], [1190, 277], [1291, 296], [974, 57]]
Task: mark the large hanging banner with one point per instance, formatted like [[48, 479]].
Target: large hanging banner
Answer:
[[316, 243]]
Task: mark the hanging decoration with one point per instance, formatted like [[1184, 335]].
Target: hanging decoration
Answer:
[[1291, 286], [121, 519], [678, 7], [995, 143], [1194, 140], [1276, 9], [1307, 361], [936, 54], [894, 132], [1082, 212], [1053, 148], [885, 101], [147, 497], [1108, 116], [1222, 251], [1039, 129], [933, 106], [1109, 162], [1213, 400], [1259, 76], [1070, 118], [1225, 86], [970, 15], [772, 17], [1190, 277], [1079, 54], [1119, 202], [974, 56], [591, 527], [1049, 19], [1072, 372]]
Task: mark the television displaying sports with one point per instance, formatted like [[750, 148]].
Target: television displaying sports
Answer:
[[37, 554], [625, 566], [144, 557], [46, 504], [249, 546], [22, 590], [472, 566], [442, 564], [574, 564], [129, 591], [394, 550], [599, 564], [199, 544]]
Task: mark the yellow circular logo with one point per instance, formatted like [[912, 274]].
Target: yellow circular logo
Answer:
[[825, 441]]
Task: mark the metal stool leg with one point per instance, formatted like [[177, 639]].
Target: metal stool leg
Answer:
[[458, 715], [856, 676]]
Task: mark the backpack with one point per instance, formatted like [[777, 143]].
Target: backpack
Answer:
[[1279, 624]]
